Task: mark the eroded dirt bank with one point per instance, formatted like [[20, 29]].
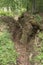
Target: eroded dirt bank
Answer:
[[24, 33]]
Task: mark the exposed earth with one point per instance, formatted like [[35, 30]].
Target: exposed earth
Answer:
[[24, 34]]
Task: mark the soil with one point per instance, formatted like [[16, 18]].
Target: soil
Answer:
[[24, 35]]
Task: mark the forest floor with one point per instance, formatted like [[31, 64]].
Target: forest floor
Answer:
[[22, 58], [25, 51]]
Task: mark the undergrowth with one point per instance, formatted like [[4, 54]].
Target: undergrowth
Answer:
[[8, 54], [6, 13]]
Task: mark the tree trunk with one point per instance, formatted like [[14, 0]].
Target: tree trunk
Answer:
[[34, 6]]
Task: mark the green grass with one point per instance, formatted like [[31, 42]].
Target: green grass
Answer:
[[8, 54], [38, 18]]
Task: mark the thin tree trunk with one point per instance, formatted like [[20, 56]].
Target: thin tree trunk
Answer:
[[34, 6]]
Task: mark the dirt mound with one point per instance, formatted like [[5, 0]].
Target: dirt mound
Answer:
[[28, 39], [11, 24], [24, 28], [29, 27], [23, 31]]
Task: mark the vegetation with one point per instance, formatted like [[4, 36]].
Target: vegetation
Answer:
[[25, 30], [6, 13], [18, 6], [8, 53], [38, 59]]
